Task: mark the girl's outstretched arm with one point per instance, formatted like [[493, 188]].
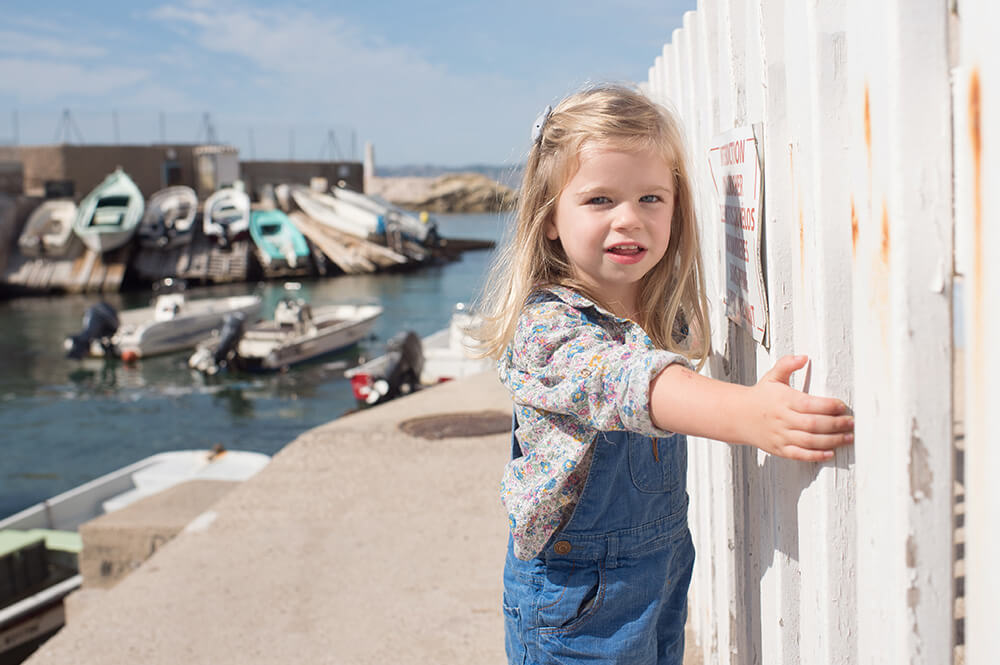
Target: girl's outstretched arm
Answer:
[[770, 415]]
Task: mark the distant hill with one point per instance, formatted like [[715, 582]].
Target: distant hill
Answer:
[[509, 176]]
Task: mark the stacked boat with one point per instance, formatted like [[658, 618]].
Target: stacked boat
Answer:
[[279, 243], [368, 218], [48, 232], [226, 215], [169, 218], [107, 217], [296, 230]]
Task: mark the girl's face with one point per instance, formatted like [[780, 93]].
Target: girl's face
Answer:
[[613, 221]]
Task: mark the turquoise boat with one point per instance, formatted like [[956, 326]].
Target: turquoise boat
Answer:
[[279, 242]]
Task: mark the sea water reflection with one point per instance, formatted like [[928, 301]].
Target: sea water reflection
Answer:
[[64, 422]]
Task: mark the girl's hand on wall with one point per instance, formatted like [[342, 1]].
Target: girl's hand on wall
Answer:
[[789, 423]]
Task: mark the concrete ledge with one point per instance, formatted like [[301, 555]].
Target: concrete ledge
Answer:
[[357, 544], [117, 543]]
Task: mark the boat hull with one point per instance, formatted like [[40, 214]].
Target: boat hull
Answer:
[[169, 218], [226, 214], [49, 231], [107, 218], [141, 335], [279, 242], [267, 346], [339, 215]]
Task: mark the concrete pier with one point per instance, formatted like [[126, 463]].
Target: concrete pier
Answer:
[[357, 544]]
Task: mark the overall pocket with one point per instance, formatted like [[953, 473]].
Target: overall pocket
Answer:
[[657, 464], [513, 633], [571, 593]]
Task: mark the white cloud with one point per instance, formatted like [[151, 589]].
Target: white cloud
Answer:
[[38, 81], [318, 68], [33, 44]]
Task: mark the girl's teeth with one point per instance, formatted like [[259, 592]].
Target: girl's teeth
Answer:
[[624, 249]]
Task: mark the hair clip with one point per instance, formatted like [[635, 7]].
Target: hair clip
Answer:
[[536, 129]]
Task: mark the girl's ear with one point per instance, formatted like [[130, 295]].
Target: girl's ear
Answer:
[[551, 232]]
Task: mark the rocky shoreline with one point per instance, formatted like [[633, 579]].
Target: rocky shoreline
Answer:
[[451, 192]]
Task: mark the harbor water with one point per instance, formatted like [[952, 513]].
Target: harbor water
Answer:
[[64, 422]]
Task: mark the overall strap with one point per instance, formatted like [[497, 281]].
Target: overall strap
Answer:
[[514, 445]]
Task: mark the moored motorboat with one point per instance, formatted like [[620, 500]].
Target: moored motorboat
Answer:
[[43, 544], [172, 323], [298, 332], [411, 363], [169, 218], [279, 242], [226, 214], [107, 217], [48, 232]]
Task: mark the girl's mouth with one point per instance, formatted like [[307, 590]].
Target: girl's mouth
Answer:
[[626, 253], [624, 249]]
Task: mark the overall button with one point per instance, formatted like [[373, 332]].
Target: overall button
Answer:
[[562, 547]]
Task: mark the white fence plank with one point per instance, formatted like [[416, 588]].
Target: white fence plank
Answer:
[[841, 562], [977, 126]]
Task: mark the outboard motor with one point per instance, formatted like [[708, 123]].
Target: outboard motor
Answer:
[[210, 362], [400, 374], [233, 327], [100, 322]]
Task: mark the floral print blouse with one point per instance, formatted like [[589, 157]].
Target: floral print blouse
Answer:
[[570, 378]]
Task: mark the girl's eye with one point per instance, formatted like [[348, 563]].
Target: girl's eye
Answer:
[[598, 200], [650, 198]]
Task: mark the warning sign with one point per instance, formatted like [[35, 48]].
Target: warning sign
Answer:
[[736, 173]]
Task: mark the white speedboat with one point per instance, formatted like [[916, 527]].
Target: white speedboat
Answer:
[[411, 363], [297, 333], [169, 218], [107, 218], [226, 214], [42, 542], [172, 323], [49, 231]]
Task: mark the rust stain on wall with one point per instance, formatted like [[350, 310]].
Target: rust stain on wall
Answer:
[[977, 410], [885, 234], [868, 127], [854, 229], [976, 138]]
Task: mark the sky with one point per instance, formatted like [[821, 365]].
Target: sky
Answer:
[[445, 83]]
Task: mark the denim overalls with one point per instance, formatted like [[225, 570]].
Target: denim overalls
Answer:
[[611, 586]]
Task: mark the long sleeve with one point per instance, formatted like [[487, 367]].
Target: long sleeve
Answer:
[[571, 376]]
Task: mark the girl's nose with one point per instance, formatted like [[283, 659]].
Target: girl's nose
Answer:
[[626, 217]]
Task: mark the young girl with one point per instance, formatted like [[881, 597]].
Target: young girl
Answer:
[[596, 312]]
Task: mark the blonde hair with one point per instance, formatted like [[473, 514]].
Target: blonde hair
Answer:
[[675, 315]]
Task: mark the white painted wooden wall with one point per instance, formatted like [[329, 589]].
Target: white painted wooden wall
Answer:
[[877, 121]]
